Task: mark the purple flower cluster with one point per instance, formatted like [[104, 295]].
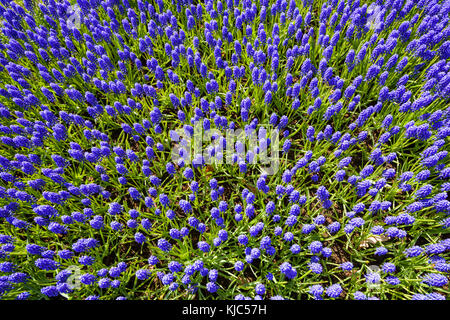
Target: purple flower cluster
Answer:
[[99, 164]]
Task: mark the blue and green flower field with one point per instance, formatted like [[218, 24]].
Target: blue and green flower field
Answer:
[[234, 149]]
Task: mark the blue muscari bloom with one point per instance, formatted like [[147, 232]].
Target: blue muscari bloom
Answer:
[[139, 237], [186, 206], [242, 239], [334, 227], [380, 251], [316, 290], [388, 267], [239, 266], [152, 260], [164, 199], [260, 289], [46, 264], [322, 193], [164, 245], [435, 279], [203, 246], [334, 290], [326, 252], [115, 208], [50, 291], [143, 274], [287, 269], [315, 247], [315, 267], [65, 254]]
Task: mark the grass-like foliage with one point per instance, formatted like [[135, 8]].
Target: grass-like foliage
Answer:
[[104, 194]]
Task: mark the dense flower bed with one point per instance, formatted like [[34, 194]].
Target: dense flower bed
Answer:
[[103, 196]]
